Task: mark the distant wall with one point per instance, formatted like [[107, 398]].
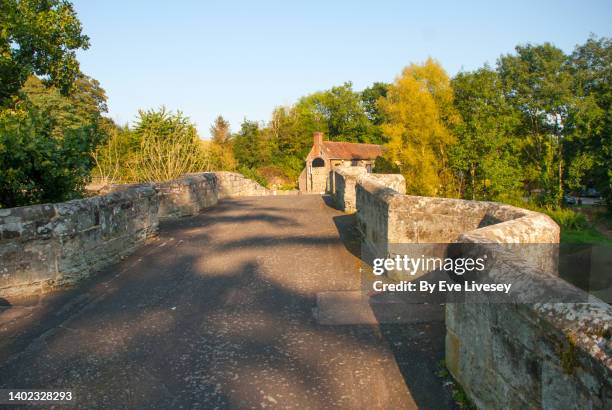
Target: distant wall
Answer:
[[504, 355], [394, 181], [318, 180], [232, 184], [342, 187], [343, 179], [47, 246], [187, 195]]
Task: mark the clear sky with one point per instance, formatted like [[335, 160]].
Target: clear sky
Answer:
[[243, 58]]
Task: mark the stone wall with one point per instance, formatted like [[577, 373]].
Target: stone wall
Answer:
[[52, 245], [393, 181], [342, 187], [526, 355], [232, 184], [318, 180], [505, 355], [373, 201], [187, 195]]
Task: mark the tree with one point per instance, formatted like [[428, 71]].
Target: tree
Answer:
[[168, 146], [370, 97], [538, 82], [113, 157], [50, 114], [36, 166], [220, 131], [219, 148], [250, 147], [220, 157], [486, 156], [342, 112], [589, 126], [47, 139], [84, 106], [418, 113], [38, 37], [339, 113]]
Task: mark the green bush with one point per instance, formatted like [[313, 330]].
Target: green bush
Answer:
[[568, 219], [168, 146], [38, 167], [252, 174]]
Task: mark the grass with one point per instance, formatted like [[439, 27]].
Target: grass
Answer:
[[585, 235], [579, 225], [582, 225], [459, 396]]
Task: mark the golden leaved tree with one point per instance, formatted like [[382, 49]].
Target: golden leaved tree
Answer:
[[419, 113]]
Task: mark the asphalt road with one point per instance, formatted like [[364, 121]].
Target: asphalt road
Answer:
[[217, 312]]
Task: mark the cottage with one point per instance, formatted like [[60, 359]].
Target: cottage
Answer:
[[324, 156]]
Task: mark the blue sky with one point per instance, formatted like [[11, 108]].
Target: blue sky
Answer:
[[243, 58]]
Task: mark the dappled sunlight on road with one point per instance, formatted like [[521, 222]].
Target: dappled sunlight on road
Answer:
[[220, 313]]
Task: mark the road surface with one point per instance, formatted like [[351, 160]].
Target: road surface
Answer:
[[217, 312]]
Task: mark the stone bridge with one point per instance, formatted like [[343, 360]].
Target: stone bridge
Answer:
[[203, 293]]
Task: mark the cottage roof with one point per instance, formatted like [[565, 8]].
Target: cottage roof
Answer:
[[348, 150]]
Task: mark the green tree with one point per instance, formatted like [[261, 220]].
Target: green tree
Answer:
[[50, 114], [589, 126], [538, 82], [370, 97], [486, 156], [342, 112], [251, 149], [38, 167], [47, 139], [290, 134], [38, 37], [83, 106]]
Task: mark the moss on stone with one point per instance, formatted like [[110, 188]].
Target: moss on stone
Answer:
[[567, 355]]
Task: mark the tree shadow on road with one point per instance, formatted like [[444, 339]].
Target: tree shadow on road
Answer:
[[192, 322]]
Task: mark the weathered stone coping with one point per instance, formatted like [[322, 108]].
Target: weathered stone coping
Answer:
[[486, 220], [345, 179], [342, 186], [55, 220]]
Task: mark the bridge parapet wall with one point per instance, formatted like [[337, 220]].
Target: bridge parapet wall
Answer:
[[343, 185], [187, 195], [232, 184], [47, 246], [505, 355], [51, 245], [527, 354]]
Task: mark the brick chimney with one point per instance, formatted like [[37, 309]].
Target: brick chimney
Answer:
[[317, 138]]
